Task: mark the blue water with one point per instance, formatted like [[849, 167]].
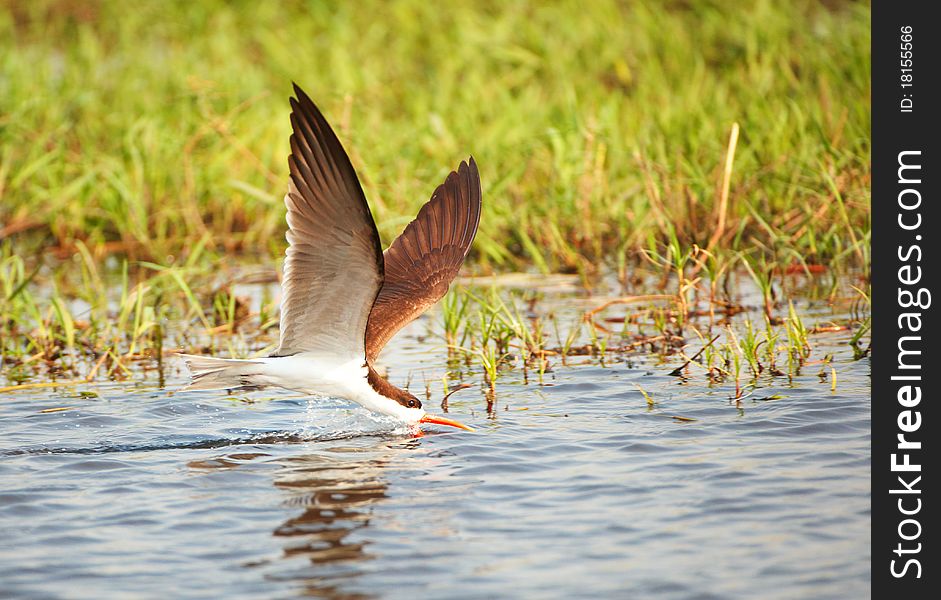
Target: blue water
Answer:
[[575, 488]]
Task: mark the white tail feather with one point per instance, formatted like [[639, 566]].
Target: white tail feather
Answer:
[[211, 373]]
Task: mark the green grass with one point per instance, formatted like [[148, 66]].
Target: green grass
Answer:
[[140, 149], [601, 128]]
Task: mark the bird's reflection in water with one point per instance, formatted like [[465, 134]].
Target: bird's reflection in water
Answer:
[[336, 498], [335, 491]]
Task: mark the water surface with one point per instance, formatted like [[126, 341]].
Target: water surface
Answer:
[[575, 488]]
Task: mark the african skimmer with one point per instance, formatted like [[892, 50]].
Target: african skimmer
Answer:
[[343, 298]]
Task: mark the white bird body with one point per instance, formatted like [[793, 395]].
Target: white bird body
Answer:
[[305, 373]]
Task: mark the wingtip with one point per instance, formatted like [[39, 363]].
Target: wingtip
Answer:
[[468, 168], [475, 174], [302, 103], [476, 171], [469, 163], [473, 171]]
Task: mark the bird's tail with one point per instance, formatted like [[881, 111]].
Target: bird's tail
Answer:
[[211, 373]]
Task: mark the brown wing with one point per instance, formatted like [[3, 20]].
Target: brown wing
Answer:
[[333, 269], [421, 263]]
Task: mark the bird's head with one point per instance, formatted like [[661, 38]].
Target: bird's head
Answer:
[[403, 405], [417, 415]]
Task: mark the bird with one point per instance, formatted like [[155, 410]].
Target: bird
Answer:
[[343, 297]]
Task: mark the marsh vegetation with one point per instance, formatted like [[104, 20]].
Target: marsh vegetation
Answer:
[[678, 149]]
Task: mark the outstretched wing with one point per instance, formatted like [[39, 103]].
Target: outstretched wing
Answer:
[[333, 268], [421, 263]]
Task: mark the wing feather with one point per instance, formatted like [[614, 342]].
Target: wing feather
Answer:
[[333, 267], [421, 263]]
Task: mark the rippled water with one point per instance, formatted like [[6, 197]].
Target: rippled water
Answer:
[[569, 490]]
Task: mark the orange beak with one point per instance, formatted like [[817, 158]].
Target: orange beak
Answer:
[[443, 421]]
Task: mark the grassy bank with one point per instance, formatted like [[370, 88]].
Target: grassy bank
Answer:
[[140, 149]]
